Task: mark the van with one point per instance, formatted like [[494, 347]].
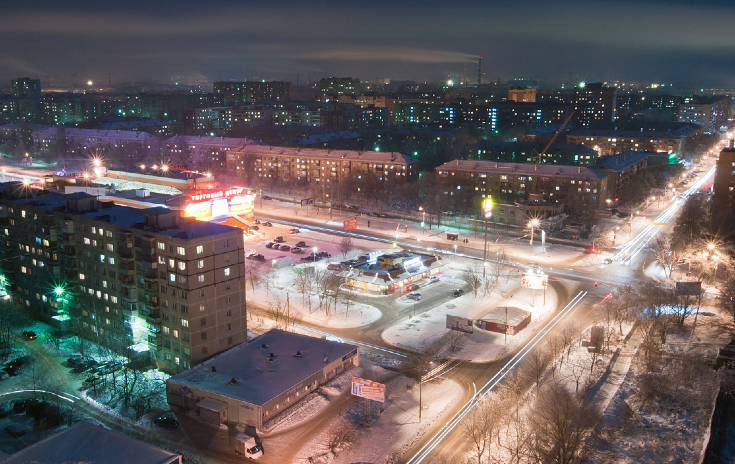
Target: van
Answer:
[[246, 446]]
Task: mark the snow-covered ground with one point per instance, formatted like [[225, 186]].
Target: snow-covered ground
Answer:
[[480, 346]]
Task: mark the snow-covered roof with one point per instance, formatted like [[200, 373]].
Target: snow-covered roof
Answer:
[[85, 442], [258, 381], [520, 169], [194, 140], [330, 154], [498, 314], [94, 133]]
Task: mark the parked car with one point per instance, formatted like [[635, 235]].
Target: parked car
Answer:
[[433, 279], [301, 244], [266, 197], [72, 361], [276, 246], [267, 224], [296, 250], [256, 257], [29, 335], [416, 296], [285, 248], [295, 230], [458, 292], [607, 261], [108, 369], [269, 245], [410, 287], [335, 267], [166, 421], [278, 239], [85, 365], [255, 228], [324, 254]]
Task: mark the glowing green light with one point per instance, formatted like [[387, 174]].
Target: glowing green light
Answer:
[[59, 291], [377, 148], [581, 85], [415, 153]]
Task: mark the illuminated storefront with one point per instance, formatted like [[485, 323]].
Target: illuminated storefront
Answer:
[[236, 201]]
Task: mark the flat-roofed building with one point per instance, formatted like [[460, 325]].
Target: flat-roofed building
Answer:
[[133, 146], [149, 282], [581, 189], [612, 142], [203, 152], [622, 169], [709, 113], [86, 442], [254, 382]]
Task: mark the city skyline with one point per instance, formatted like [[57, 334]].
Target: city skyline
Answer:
[[671, 42]]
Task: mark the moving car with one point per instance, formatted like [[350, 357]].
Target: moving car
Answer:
[[296, 250], [607, 261], [301, 244], [411, 287], [256, 257], [29, 335], [266, 197], [416, 296], [458, 292], [295, 230], [267, 224]]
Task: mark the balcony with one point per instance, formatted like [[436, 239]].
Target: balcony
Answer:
[[125, 253], [127, 280], [125, 265], [148, 258], [69, 250]]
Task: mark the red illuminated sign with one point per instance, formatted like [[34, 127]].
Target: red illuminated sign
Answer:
[[217, 194]]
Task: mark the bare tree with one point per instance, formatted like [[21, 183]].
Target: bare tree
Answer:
[[253, 273], [343, 434], [473, 276], [666, 252], [419, 363], [536, 363], [479, 425], [561, 424], [346, 245]]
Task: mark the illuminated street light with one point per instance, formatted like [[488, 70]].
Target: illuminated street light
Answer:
[[164, 167], [533, 223]]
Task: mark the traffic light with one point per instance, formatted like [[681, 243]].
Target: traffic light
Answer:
[[593, 250]]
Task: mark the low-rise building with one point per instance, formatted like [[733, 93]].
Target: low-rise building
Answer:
[[132, 146], [86, 442], [254, 382], [387, 273], [621, 169], [612, 142]]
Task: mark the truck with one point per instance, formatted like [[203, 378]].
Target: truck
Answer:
[[246, 446]]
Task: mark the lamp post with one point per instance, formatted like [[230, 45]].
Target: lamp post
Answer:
[[314, 254], [423, 220], [533, 223]]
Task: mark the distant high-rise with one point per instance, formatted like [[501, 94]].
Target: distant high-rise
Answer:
[[594, 105], [708, 113], [25, 87], [339, 86], [229, 93], [522, 94]]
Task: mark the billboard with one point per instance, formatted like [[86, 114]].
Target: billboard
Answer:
[[368, 389], [461, 324], [350, 224], [535, 281], [307, 202], [689, 288]]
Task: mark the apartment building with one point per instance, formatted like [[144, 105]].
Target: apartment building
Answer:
[[594, 105], [314, 165], [612, 142], [580, 188], [145, 282], [130, 145], [708, 113], [203, 153], [724, 184]]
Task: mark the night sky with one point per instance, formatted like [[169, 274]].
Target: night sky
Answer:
[[71, 41]]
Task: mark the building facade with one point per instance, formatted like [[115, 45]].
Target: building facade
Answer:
[[724, 185], [593, 105], [581, 189], [612, 142], [144, 282], [710, 113], [233, 92], [123, 146]]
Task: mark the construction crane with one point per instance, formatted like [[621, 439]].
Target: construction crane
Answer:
[[548, 145], [553, 139]]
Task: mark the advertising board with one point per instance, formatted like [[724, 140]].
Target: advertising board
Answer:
[[461, 324], [350, 224], [368, 389], [535, 281]]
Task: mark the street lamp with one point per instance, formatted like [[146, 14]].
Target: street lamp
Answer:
[[423, 219], [314, 253], [533, 223]]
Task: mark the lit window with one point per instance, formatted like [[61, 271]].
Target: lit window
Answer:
[[200, 278], [200, 249], [200, 264], [184, 323], [227, 271], [111, 260], [182, 265], [161, 246], [181, 251], [172, 277]]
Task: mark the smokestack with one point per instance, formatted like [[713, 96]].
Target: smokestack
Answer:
[[479, 72]]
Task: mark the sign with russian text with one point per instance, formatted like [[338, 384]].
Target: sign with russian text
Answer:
[[211, 195], [461, 324], [350, 224], [535, 281], [368, 389]]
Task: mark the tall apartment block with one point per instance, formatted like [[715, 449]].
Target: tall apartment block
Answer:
[[594, 106], [145, 282], [724, 184]]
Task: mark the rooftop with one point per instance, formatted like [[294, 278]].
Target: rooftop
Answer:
[[124, 216], [574, 172], [95, 133], [194, 140], [258, 381], [623, 160], [513, 315], [122, 125], [330, 154], [86, 442], [624, 134]]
